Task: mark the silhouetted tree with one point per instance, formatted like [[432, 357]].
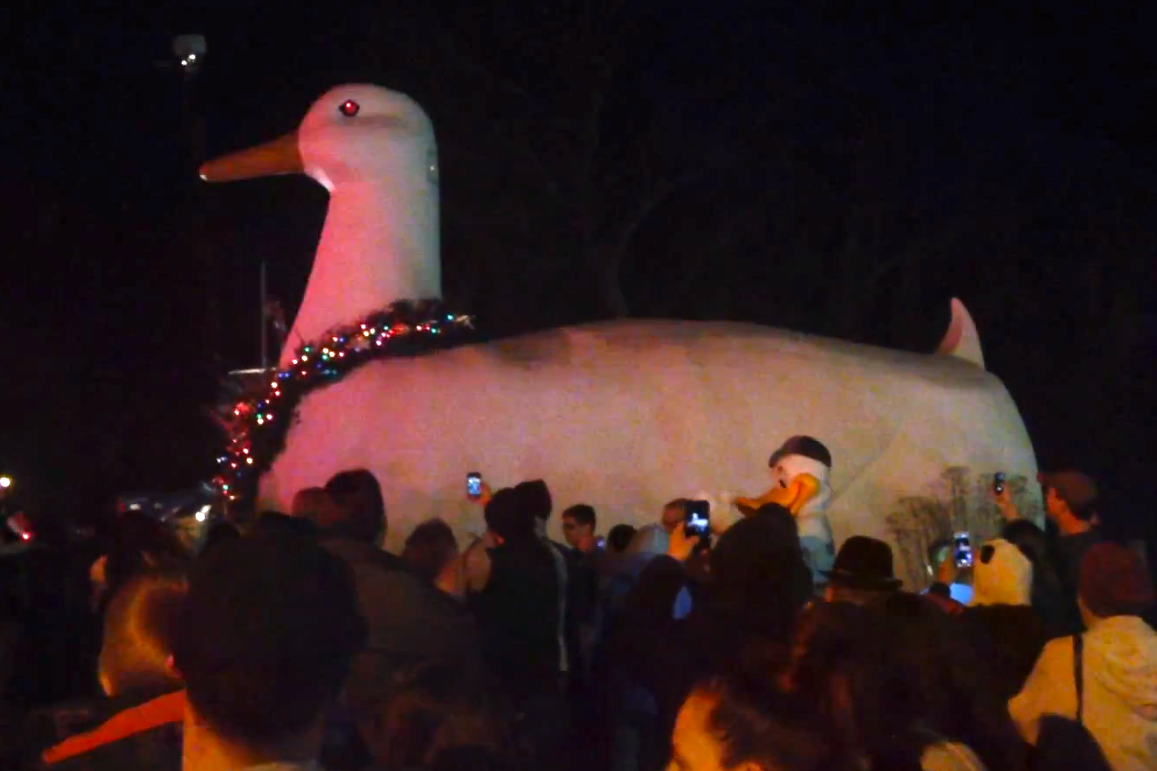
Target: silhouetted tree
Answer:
[[556, 155]]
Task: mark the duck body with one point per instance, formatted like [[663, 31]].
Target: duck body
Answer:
[[627, 415]]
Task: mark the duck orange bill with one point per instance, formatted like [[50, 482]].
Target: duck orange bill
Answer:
[[281, 156], [801, 490], [793, 497]]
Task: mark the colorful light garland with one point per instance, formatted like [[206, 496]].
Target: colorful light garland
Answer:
[[260, 424]]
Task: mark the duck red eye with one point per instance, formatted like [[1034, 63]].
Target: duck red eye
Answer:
[[349, 108]]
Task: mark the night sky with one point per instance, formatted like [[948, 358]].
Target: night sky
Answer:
[[1011, 152]]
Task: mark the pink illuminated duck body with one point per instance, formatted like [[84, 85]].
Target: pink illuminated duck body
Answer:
[[623, 415]]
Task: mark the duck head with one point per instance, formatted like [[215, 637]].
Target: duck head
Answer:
[[374, 151], [353, 133]]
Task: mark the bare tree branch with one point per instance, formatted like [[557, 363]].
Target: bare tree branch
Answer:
[[610, 254], [455, 53], [661, 195], [523, 147]]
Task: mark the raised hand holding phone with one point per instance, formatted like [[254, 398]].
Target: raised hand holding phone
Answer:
[[1003, 497], [682, 545], [477, 491], [947, 570]]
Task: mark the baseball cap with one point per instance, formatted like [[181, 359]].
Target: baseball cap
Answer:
[[1073, 487]]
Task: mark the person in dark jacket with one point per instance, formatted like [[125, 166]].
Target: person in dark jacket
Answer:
[[409, 619], [1048, 598], [637, 662], [516, 602], [536, 497], [266, 637], [1071, 504], [759, 581], [518, 609], [583, 557]]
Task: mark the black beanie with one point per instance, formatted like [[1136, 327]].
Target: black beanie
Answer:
[[805, 446]]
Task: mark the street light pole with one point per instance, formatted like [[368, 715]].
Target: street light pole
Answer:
[[190, 52], [263, 305]]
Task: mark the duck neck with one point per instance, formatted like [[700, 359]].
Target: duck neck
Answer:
[[379, 245]]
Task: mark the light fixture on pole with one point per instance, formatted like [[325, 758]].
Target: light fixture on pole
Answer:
[[190, 52]]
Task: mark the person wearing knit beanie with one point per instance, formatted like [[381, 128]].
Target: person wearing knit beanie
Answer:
[[1114, 582], [1001, 575], [535, 496], [1118, 664]]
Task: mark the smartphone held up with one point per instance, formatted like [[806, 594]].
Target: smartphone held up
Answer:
[[473, 485], [697, 519], [962, 549]]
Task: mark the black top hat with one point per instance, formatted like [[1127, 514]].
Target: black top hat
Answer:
[[805, 446], [864, 563]]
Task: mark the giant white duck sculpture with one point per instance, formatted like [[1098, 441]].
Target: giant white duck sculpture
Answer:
[[622, 415]]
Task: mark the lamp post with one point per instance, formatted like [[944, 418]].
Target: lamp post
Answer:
[[189, 54], [264, 306], [5, 488]]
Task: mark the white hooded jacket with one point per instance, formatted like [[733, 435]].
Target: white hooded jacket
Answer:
[[1120, 690]]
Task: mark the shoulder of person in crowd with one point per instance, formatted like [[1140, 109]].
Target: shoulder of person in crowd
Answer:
[[476, 562], [452, 580], [591, 555]]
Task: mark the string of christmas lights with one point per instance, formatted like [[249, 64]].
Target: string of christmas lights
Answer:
[[260, 424]]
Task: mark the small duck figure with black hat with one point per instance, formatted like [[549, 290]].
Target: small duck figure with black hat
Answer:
[[800, 470]]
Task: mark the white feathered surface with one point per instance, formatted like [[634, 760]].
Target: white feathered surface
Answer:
[[627, 415]]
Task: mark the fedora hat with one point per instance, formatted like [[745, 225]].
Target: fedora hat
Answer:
[[864, 563]]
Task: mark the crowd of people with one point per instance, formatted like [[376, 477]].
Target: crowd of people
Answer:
[[298, 642]]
